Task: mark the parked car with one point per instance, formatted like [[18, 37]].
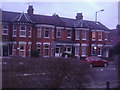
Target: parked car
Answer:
[[96, 61]]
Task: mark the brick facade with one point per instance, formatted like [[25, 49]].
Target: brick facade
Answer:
[[53, 35]]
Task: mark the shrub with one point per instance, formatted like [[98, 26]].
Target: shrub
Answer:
[[68, 54], [35, 53]]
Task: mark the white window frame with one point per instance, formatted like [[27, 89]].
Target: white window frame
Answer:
[[100, 51], [48, 32], [29, 49], [30, 31], [47, 49], [84, 35], [39, 29], [58, 31], [14, 30], [77, 50], [106, 36], [52, 33], [39, 48], [22, 31], [24, 50], [4, 29], [83, 53], [14, 50], [69, 33], [100, 36], [77, 35]]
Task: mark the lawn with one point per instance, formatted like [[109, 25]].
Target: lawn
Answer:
[[19, 72]]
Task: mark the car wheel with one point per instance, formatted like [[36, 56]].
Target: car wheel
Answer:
[[91, 65], [105, 64]]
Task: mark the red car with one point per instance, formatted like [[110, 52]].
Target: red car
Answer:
[[96, 61]]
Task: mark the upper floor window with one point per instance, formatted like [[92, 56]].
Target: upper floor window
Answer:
[[5, 29], [47, 32], [53, 33], [77, 34], [93, 36], [14, 30], [99, 36], [39, 32], [58, 33], [68, 33], [30, 31], [22, 30], [106, 36], [83, 35]]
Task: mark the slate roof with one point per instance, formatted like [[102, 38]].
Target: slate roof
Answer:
[[51, 20]]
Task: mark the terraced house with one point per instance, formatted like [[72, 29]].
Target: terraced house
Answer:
[[52, 35]]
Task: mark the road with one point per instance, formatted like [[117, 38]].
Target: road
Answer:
[[103, 75]]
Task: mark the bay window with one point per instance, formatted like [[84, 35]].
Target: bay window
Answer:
[[5, 29], [22, 30], [47, 32], [38, 32], [77, 35], [14, 30], [58, 33]]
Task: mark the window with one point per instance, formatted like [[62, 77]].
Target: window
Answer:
[[30, 31], [22, 49], [57, 50], [14, 30], [46, 50], [99, 51], [5, 29], [14, 49], [83, 35], [39, 32], [106, 36], [53, 33], [29, 49], [99, 36], [83, 50], [47, 32], [93, 36], [58, 33], [39, 48], [93, 50], [77, 35], [77, 50], [22, 30], [68, 33]]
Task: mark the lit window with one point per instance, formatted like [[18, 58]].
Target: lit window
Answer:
[[14, 30], [58, 33], [93, 50], [83, 35], [77, 35], [46, 50], [99, 36], [68, 33], [5, 29], [30, 31], [47, 32], [93, 35], [22, 30], [39, 32]]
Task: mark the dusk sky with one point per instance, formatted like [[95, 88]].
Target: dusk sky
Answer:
[[108, 17]]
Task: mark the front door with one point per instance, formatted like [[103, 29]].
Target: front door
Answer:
[[5, 50]]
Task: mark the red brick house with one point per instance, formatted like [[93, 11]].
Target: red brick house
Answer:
[[52, 35]]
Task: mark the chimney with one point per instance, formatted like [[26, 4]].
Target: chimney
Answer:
[[30, 10], [79, 16]]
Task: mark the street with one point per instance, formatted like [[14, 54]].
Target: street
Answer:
[[102, 75]]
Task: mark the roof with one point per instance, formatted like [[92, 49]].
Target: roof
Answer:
[[51, 20]]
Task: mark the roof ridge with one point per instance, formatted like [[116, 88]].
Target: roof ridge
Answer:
[[20, 16]]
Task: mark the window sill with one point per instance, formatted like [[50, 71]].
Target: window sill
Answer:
[[83, 39], [22, 36]]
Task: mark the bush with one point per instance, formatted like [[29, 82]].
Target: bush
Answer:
[[68, 54], [35, 53]]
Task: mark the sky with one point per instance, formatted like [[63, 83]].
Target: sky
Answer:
[[108, 17]]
